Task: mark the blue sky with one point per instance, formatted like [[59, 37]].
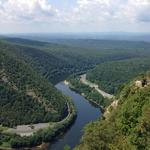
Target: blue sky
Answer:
[[24, 16]]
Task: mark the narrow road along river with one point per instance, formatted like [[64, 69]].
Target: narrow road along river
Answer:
[[93, 85], [85, 114]]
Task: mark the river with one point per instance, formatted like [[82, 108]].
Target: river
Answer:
[[85, 114]]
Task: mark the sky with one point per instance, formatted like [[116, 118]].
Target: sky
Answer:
[[32, 16]]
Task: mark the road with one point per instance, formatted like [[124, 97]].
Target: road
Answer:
[[93, 85], [28, 130]]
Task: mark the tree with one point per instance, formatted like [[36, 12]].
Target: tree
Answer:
[[67, 147]]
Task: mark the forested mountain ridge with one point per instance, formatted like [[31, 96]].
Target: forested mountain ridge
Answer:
[[44, 63], [102, 44], [127, 126], [25, 42], [26, 97], [110, 76], [24, 91], [58, 61], [54, 64]]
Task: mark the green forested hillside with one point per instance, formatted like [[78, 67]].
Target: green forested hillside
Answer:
[[25, 42], [89, 93], [99, 44], [26, 97], [110, 76], [57, 61], [128, 126], [46, 64]]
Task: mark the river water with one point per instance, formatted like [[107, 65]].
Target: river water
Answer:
[[85, 114]]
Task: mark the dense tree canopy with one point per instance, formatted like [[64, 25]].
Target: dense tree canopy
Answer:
[[110, 76], [26, 97], [90, 93], [57, 61], [127, 127]]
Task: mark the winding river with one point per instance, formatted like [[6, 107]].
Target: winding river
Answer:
[[85, 114]]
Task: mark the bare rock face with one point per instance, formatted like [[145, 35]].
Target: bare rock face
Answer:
[[138, 84], [142, 83]]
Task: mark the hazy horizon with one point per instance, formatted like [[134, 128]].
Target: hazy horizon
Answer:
[[49, 37]]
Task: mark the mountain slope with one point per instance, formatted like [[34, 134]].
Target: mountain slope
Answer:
[[110, 76], [46, 64], [127, 126], [57, 61], [26, 97]]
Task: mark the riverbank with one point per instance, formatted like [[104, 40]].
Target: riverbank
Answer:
[[107, 109], [86, 113], [84, 95], [28, 130], [113, 105], [40, 147], [90, 91], [59, 138], [39, 135], [95, 86]]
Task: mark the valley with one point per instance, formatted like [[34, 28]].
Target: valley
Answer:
[[74, 75], [35, 105]]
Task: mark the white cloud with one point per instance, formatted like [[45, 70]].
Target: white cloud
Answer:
[[109, 10], [31, 10], [87, 13]]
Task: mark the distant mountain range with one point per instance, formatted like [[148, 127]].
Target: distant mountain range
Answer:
[[129, 36]]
